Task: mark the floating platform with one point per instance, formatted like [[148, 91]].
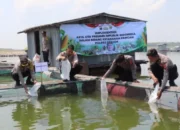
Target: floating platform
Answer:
[[141, 91], [90, 84], [81, 85]]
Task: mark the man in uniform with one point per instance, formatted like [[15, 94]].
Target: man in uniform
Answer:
[[161, 69], [24, 68], [71, 55], [45, 47], [125, 67]]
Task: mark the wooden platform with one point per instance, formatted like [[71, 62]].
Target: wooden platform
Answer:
[[170, 98]]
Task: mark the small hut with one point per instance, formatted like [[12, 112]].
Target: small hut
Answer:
[[54, 31]]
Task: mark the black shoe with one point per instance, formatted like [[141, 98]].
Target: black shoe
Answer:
[[73, 79], [18, 84], [117, 79], [171, 83], [65, 80], [29, 83]]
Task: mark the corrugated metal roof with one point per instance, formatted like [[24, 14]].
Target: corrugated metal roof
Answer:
[[57, 24]]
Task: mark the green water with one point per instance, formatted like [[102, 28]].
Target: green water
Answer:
[[73, 112]]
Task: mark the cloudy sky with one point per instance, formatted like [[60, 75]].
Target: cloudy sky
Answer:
[[16, 15]]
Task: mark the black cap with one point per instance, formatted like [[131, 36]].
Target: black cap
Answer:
[[152, 52], [120, 58], [23, 58]]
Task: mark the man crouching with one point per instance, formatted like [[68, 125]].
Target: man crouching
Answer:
[[161, 69], [71, 55], [124, 66], [24, 68]]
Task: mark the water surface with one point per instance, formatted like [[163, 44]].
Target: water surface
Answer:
[[72, 112]]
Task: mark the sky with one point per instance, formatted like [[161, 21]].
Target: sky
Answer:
[[16, 15]]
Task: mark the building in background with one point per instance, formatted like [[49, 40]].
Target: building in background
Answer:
[[94, 57]]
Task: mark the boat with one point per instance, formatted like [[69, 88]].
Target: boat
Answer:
[[163, 47], [175, 49]]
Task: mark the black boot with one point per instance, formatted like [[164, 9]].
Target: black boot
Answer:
[[18, 83], [171, 83], [15, 76], [29, 82], [117, 79], [72, 78], [65, 80]]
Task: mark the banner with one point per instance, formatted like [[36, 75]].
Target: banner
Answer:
[[98, 39]]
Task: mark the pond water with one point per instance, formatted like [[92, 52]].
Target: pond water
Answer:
[[85, 112], [72, 112]]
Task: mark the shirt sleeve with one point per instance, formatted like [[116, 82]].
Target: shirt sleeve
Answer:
[[20, 74], [166, 74], [61, 54], [111, 69], [133, 68], [75, 60], [149, 69], [32, 71]]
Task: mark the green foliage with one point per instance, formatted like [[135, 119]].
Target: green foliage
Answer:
[[145, 30], [140, 42], [62, 34], [77, 45]]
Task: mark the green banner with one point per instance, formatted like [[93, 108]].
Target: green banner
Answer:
[[99, 39]]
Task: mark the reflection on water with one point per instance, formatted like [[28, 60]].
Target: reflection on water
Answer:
[[67, 112]]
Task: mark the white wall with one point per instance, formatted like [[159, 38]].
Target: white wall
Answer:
[[31, 44], [53, 34]]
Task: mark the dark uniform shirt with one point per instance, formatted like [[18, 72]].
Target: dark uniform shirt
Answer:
[[127, 64]]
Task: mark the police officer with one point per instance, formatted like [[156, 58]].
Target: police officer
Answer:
[[125, 67], [161, 69], [24, 68]]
